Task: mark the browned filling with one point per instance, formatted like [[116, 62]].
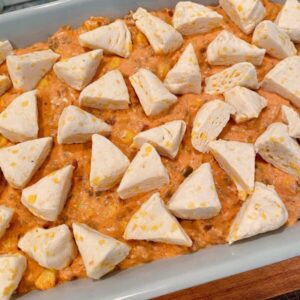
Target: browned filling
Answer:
[[104, 211]]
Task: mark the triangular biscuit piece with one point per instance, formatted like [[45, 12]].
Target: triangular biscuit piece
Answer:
[[19, 121], [291, 117], [12, 268], [108, 92], [238, 161], [100, 253], [193, 18], [162, 37], [27, 70], [283, 79], [5, 84], [153, 95], [277, 43], [247, 104], [108, 164], [6, 215], [112, 38], [153, 222], [263, 211], [228, 49], [209, 122], [185, 76], [51, 248], [77, 126], [196, 198], [78, 71], [5, 50], [165, 138], [46, 198], [244, 13], [289, 19], [241, 74], [145, 173], [19, 162], [278, 148]]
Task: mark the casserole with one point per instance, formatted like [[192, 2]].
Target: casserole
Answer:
[[161, 277]]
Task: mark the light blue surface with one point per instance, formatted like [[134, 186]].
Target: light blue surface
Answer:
[[165, 276], [12, 5]]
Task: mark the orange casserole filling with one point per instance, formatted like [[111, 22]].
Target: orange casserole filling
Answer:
[[105, 211]]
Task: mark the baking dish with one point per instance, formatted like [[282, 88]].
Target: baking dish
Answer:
[[35, 24]]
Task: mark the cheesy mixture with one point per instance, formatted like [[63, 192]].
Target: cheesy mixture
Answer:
[[105, 211]]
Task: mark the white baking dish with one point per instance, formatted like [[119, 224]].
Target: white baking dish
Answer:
[[161, 277]]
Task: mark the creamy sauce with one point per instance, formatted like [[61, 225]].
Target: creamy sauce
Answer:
[[105, 211]]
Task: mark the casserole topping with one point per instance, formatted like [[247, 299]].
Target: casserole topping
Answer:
[[244, 13], [52, 248], [19, 121], [12, 268], [238, 161], [108, 164], [100, 253], [289, 19], [114, 38], [283, 79], [78, 71], [228, 49], [277, 43], [46, 198], [263, 211], [5, 50], [247, 104], [196, 197], [19, 162], [153, 222], [165, 138], [97, 149], [209, 122], [185, 76], [193, 18], [162, 37], [108, 92], [77, 126], [146, 172], [279, 149], [6, 215], [153, 95], [291, 117], [27, 70], [5, 84], [240, 74]]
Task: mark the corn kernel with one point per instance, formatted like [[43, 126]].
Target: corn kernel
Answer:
[[141, 39], [127, 136], [162, 70], [114, 62], [43, 83], [46, 280], [3, 141]]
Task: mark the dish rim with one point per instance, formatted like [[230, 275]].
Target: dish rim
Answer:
[[162, 276]]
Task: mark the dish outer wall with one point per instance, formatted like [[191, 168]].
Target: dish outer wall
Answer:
[[164, 276]]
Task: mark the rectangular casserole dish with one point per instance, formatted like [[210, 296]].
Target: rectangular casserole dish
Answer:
[[36, 24]]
